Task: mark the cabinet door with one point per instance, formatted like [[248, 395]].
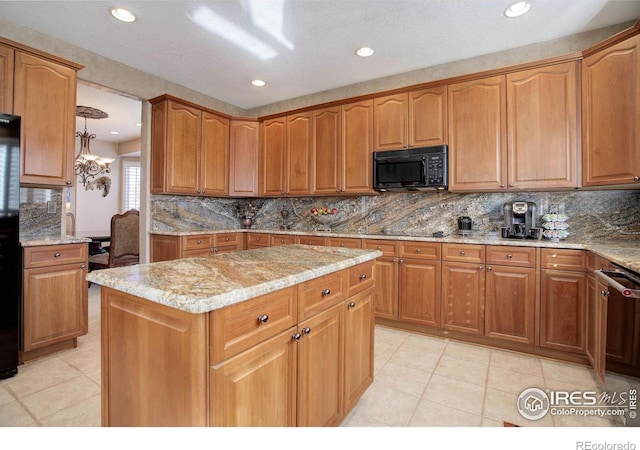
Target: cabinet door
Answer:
[[6, 79], [55, 305], [45, 98], [298, 155], [428, 117], [272, 176], [183, 148], [214, 155], [542, 127], [611, 115], [358, 347], [419, 294], [320, 369], [327, 140], [391, 115], [256, 388], [159, 112], [385, 272], [243, 166], [511, 303], [477, 134], [592, 322], [562, 312], [622, 315], [463, 294], [357, 147]]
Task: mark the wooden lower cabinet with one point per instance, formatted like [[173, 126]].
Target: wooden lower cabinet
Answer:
[[511, 301], [562, 310], [419, 293], [256, 388], [463, 297], [385, 271], [168, 247]]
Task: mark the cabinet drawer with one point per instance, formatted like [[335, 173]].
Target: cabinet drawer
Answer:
[[198, 241], [463, 252], [360, 278], [388, 248], [511, 255], [245, 324], [52, 255], [420, 250], [316, 295], [258, 240], [282, 239], [564, 259], [226, 239], [311, 240], [197, 253], [344, 242]]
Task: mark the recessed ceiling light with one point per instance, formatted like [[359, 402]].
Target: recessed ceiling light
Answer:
[[258, 83], [517, 9], [114, 132], [122, 14], [364, 52]]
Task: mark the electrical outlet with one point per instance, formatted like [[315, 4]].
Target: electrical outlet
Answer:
[[51, 207]]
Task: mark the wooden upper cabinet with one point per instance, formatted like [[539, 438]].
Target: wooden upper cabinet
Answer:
[[357, 147], [273, 152], [428, 117], [298, 156], [244, 142], [477, 134], [542, 127], [391, 115], [611, 115], [286, 155], [6, 79], [45, 97], [414, 119], [189, 149], [327, 151]]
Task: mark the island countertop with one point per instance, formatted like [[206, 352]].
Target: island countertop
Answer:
[[199, 285]]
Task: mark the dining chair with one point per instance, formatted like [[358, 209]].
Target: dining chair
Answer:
[[124, 248]]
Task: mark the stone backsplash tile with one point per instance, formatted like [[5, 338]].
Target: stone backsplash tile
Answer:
[[35, 216], [610, 214]]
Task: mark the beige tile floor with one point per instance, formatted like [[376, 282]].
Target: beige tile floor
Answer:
[[419, 381]]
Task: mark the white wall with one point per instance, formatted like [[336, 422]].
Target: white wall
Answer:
[[93, 211]]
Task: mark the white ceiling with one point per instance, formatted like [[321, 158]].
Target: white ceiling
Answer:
[[300, 47]]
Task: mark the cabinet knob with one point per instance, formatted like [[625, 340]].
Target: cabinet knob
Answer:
[[363, 276], [338, 191], [510, 184], [509, 256], [306, 330], [57, 255], [326, 292], [257, 239], [378, 247], [481, 268], [461, 252], [69, 182], [400, 261], [296, 336], [489, 268], [395, 260], [84, 266], [211, 250], [263, 318], [502, 186], [636, 178], [341, 244], [351, 305], [605, 293], [418, 250], [199, 242], [226, 239], [215, 250]]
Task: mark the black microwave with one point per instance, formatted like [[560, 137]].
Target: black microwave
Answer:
[[415, 169]]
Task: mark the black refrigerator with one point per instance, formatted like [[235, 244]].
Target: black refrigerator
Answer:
[[10, 250]]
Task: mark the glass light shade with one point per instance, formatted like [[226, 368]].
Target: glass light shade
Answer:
[[89, 156], [107, 160]]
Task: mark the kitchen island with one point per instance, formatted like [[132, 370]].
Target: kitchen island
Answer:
[[280, 336]]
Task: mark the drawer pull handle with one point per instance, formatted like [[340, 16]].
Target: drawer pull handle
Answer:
[[57, 255], [461, 252], [84, 266], [363, 276], [636, 178], [418, 250], [296, 337], [306, 330], [351, 305], [378, 247], [326, 292], [263, 318], [509, 256], [226, 239], [199, 242]]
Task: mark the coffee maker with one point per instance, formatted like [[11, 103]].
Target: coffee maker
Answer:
[[520, 221]]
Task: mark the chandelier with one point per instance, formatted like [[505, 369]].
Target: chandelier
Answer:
[[88, 165]]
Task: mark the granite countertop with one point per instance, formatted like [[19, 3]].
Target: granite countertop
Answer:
[[624, 253], [199, 285], [32, 241]]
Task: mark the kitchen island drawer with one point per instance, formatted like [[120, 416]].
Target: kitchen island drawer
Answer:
[[564, 259], [314, 296], [360, 278], [242, 325], [52, 255], [473, 253], [511, 255], [420, 250]]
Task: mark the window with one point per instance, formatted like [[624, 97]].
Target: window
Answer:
[[131, 182]]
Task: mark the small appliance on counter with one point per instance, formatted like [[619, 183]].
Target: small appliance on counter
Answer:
[[520, 221], [464, 225]]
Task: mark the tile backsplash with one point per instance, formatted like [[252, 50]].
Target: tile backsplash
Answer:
[[609, 214]]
